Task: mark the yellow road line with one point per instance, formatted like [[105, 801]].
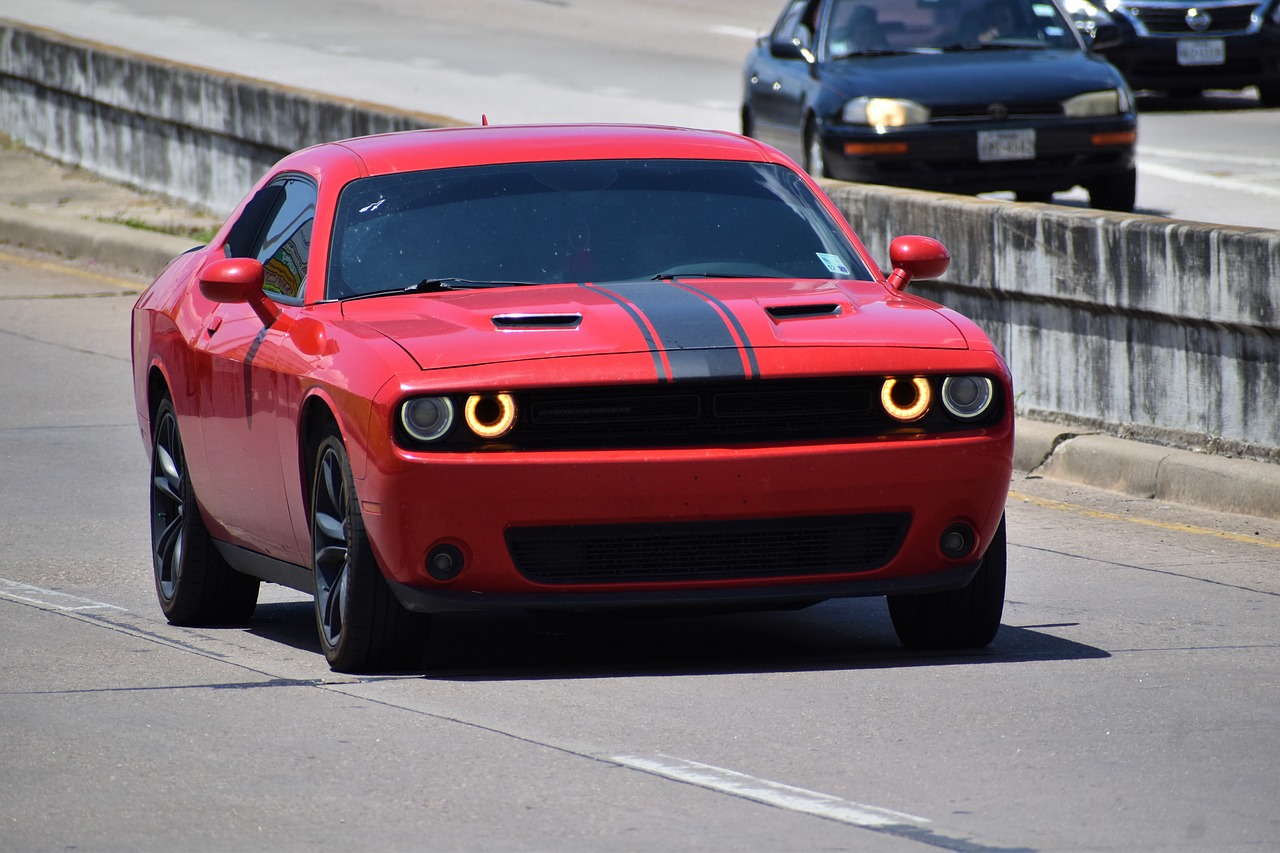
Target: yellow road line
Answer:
[[1049, 503], [50, 266]]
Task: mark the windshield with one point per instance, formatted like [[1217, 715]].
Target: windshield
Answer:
[[582, 221], [862, 27]]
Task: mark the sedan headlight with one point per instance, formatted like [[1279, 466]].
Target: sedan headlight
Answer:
[[427, 419], [1093, 104], [882, 113]]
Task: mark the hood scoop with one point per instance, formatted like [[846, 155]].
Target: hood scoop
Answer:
[[807, 309], [536, 321]]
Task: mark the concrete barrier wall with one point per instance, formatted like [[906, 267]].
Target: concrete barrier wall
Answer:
[[186, 132], [1140, 326]]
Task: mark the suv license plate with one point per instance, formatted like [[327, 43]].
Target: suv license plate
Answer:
[[1006, 145], [1202, 51]]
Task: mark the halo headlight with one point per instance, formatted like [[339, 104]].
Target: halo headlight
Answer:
[[967, 397], [906, 401], [490, 415], [427, 419]]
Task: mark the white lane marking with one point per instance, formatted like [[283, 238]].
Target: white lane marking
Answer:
[[736, 32], [1187, 176], [1207, 157], [771, 793], [49, 598]]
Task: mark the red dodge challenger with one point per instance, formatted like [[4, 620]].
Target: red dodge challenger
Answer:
[[563, 367]]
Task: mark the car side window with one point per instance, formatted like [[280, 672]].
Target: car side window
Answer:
[[797, 23], [275, 228]]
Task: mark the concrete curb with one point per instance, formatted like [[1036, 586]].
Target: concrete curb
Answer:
[[1040, 449], [1147, 470], [70, 236]]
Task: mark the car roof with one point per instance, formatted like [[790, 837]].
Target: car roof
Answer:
[[479, 145]]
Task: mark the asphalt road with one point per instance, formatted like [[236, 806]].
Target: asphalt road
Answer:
[[1129, 701], [1212, 159]]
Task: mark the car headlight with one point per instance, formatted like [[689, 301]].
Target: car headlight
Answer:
[[906, 400], [967, 397], [427, 419], [882, 113], [490, 416], [1093, 104]]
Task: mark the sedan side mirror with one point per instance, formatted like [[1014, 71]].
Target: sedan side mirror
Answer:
[[233, 280], [916, 257], [1105, 36]]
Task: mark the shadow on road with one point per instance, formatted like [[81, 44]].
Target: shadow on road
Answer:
[[836, 635]]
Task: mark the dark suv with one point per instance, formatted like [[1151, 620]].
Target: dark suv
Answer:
[[1183, 47]]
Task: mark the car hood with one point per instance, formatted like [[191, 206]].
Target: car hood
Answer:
[[965, 77], [689, 326]]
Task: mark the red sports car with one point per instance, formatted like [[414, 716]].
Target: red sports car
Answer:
[[563, 367]]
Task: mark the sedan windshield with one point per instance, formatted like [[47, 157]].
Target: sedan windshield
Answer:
[[876, 27], [582, 221]]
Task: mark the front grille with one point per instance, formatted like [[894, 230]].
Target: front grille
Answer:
[[1172, 20], [707, 550], [989, 111]]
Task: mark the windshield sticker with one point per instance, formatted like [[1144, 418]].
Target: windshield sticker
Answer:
[[833, 263]]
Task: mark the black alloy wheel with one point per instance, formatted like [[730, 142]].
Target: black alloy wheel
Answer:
[[965, 618], [194, 584], [362, 626]]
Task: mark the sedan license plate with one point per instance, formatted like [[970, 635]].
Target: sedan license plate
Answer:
[[1006, 145], [1202, 51]]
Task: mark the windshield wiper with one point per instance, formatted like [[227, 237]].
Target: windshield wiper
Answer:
[[878, 51], [438, 285], [973, 45]]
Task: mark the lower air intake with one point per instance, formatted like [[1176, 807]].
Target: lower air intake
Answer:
[[707, 550]]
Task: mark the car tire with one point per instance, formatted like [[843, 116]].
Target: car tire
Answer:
[[965, 618], [1119, 193], [815, 162], [362, 626], [1269, 94], [1043, 197], [194, 584]]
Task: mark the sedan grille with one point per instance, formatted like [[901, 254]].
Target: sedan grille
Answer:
[[1172, 20], [707, 550]]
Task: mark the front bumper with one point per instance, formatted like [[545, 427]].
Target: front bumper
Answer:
[[944, 157], [471, 503], [1152, 63]]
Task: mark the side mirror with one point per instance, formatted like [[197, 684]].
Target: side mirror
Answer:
[[1105, 36], [792, 48], [916, 257], [234, 280]]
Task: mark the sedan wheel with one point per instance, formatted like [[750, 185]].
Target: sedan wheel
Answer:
[[815, 160], [1119, 193], [362, 626], [194, 584], [965, 618]]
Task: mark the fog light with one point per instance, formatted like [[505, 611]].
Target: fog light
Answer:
[[957, 541], [445, 562]]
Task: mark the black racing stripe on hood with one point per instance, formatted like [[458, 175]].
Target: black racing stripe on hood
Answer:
[[753, 366], [641, 325], [697, 341]]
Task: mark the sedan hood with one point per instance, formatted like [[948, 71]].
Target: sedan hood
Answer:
[[967, 77], [691, 328]]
